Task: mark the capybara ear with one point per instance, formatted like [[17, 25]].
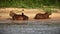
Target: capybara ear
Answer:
[[49, 13]]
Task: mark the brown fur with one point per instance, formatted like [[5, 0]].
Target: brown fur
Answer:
[[18, 17], [42, 16]]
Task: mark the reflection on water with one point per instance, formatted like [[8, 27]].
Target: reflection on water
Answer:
[[42, 26], [29, 27]]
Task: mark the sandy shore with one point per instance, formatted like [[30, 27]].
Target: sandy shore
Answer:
[[4, 14]]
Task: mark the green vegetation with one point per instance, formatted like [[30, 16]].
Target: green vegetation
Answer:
[[29, 3]]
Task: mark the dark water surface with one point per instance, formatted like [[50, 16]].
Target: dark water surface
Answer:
[[30, 27]]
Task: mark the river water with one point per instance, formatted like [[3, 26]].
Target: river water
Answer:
[[30, 27]]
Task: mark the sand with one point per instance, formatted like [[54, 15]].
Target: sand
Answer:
[[4, 14]]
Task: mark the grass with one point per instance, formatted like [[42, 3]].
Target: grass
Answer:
[[28, 3], [46, 5]]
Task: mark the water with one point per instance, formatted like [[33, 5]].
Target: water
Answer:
[[30, 27]]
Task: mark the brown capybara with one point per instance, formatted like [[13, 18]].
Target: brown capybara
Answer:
[[42, 16], [18, 17]]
